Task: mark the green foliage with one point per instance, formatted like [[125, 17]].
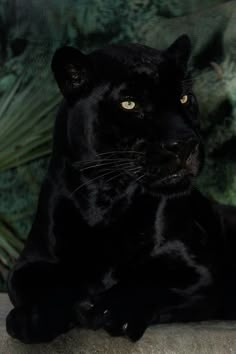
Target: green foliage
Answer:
[[26, 123], [26, 120], [10, 246]]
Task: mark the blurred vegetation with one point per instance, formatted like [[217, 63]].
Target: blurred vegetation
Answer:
[[29, 98], [25, 135]]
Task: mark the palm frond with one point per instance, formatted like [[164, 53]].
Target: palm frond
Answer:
[[10, 246], [26, 122]]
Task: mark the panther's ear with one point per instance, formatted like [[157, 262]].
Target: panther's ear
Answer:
[[180, 51], [69, 66]]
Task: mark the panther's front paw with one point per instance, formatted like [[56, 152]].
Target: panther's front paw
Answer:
[[30, 326], [128, 326], [119, 318]]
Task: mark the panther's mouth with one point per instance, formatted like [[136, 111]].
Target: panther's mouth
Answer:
[[171, 179], [179, 173], [176, 177]]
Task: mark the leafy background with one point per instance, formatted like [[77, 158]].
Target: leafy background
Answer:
[[30, 31]]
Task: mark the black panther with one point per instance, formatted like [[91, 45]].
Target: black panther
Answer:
[[122, 239]]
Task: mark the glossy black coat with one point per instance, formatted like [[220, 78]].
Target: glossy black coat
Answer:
[[121, 238]]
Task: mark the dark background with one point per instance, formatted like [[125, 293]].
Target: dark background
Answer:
[[31, 30]]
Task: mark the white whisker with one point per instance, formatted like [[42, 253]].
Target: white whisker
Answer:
[[90, 181], [107, 164], [102, 160], [139, 178], [115, 176], [124, 152]]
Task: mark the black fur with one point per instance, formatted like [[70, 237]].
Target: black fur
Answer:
[[121, 238]]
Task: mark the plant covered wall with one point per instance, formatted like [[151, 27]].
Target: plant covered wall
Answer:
[[30, 31]]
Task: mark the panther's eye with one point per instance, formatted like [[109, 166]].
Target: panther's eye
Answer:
[[184, 99], [128, 104]]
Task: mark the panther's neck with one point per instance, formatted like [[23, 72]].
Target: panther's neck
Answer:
[[99, 207]]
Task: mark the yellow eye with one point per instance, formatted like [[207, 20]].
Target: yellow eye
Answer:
[[184, 99], [128, 104]]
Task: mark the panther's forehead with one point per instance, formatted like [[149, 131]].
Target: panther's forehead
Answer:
[[131, 59]]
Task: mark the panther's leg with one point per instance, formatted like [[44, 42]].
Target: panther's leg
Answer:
[[44, 302], [39, 285]]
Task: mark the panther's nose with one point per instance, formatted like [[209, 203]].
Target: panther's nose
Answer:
[[182, 149]]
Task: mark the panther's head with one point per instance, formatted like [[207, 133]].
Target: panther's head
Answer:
[[132, 115]]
